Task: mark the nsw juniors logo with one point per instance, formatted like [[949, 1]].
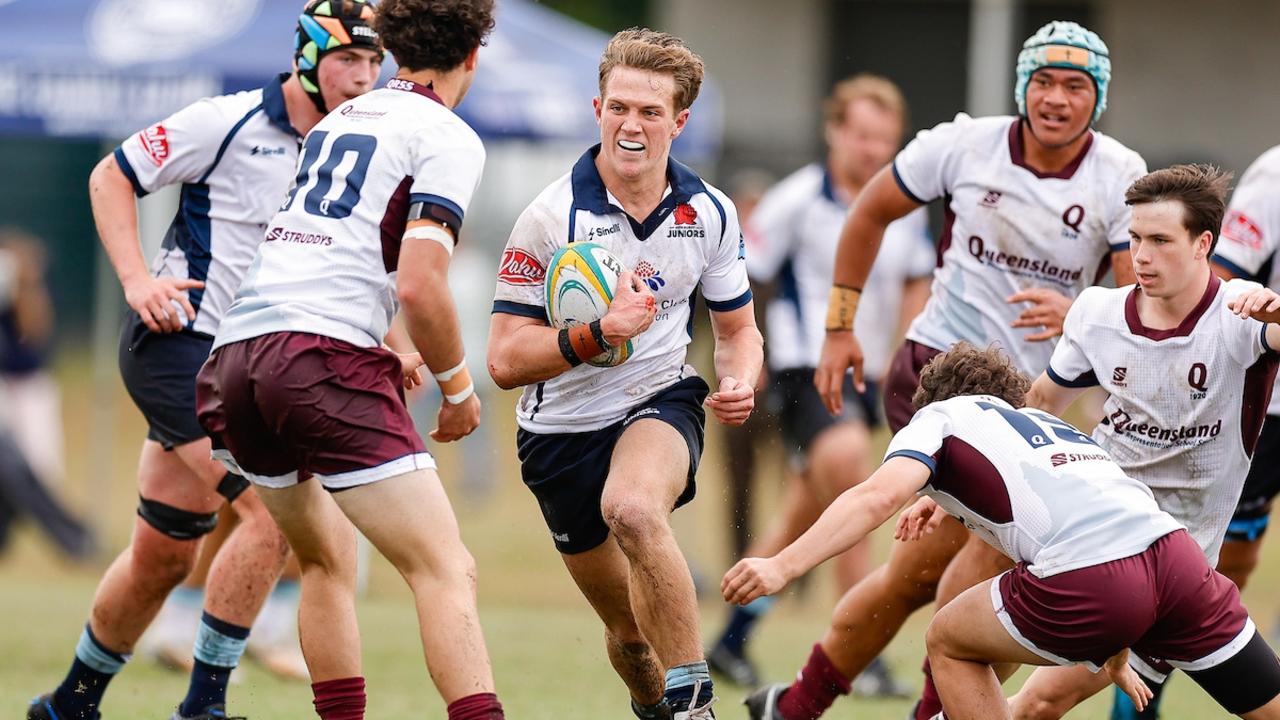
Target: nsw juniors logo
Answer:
[[650, 275], [155, 143], [685, 214], [520, 268]]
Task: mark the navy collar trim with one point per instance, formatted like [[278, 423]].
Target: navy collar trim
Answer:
[[427, 90], [273, 104], [590, 194], [829, 187]]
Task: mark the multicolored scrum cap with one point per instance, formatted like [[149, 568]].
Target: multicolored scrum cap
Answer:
[[1064, 44], [325, 26]]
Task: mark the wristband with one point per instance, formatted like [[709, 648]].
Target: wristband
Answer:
[[447, 375], [842, 306], [584, 342], [459, 380], [597, 332], [461, 395], [566, 349]]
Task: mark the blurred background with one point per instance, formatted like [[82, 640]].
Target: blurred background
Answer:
[[1193, 81]]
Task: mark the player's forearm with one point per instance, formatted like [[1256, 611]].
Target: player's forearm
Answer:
[[849, 519], [527, 355], [115, 213], [740, 355], [431, 321], [860, 240], [1049, 396]]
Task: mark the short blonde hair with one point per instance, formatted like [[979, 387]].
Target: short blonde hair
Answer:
[[645, 49], [864, 86]]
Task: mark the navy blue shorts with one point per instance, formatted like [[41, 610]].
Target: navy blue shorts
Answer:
[[803, 416], [1261, 486], [567, 471], [159, 371]]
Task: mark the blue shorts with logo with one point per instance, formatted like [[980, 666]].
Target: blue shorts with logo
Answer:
[[566, 471], [159, 371]]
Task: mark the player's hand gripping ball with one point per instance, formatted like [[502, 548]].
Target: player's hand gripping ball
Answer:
[[581, 281]]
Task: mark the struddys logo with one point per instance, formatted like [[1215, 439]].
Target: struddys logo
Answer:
[[279, 234], [520, 268], [155, 144], [1059, 459], [1039, 268], [650, 275], [1153, 435], [686, 223]]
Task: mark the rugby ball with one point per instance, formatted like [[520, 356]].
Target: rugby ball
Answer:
[[581, 280]]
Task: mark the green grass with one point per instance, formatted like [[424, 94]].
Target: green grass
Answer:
[[545, 642]]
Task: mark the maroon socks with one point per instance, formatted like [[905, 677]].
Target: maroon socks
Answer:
[[341, 699], [818, 685], [481, 706]]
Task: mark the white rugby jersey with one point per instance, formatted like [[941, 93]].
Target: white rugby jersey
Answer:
[[689, 245], [1186, 404], [1029, 484], [795, 231], [1010, 228], [328, 263], [1251, 230], [235, 156]]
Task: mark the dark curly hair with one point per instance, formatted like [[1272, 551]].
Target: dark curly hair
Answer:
[[966, 370], [433, 34]]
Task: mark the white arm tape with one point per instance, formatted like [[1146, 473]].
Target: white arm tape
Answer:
[[461, 395], [447, 375], [431, 232]]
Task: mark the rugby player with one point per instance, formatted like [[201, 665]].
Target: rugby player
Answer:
[[610, 451], [300, 397], [234, 156]]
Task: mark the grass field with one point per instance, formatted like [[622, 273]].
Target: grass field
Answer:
[[546, 644]]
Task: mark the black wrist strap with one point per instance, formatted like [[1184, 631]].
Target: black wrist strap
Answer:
[[598, 333], [566, 349]]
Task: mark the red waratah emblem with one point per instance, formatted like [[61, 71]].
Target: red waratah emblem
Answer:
[[520, 268], [155, 143], [685, 214]]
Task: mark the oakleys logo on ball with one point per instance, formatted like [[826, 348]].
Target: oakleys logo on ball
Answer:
[[520, 268]]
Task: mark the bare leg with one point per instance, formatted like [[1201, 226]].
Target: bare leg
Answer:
[[249, 562], [325, 545], [648, 472], [409, 520], [603, 576], [872, 612], [135, 586], [1051, 692], [837, 462], [1238, 560], [965, 639]]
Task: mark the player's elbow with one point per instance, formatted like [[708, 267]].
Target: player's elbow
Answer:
[[502, 372], [500, 363]]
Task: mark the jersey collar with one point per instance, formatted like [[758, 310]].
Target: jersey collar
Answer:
[[1184, 328], [403, 85], [1017, 153], [829, 188], [590, 194], [273, 104]]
